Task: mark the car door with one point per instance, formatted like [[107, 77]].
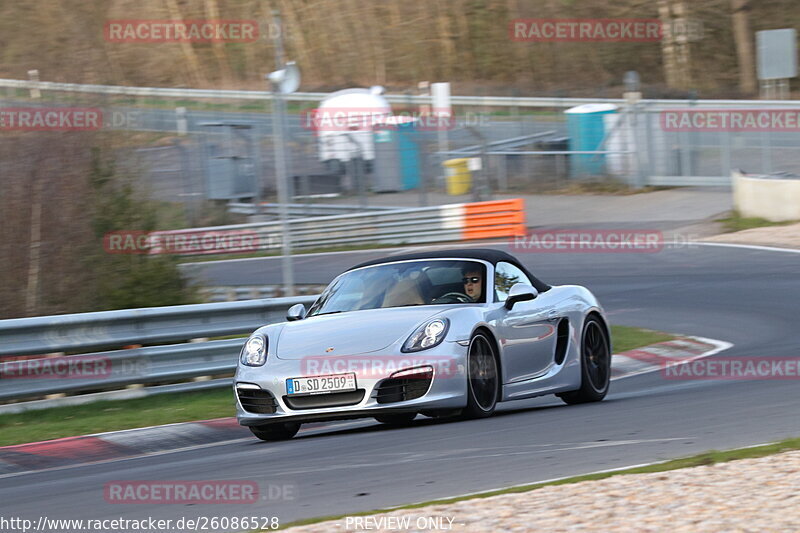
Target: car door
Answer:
[[527, 331]]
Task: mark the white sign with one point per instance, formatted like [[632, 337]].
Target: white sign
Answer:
[[777, 54], [441, 99]]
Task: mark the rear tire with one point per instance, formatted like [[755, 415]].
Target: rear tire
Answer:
[[595, 365], [396, 419], [275, 432], [483, 382]]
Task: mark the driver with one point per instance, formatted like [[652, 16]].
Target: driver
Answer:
[[473, 283]]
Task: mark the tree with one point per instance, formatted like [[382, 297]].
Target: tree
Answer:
[[59, 198], [743, 36], [128, 280], [675, 45]]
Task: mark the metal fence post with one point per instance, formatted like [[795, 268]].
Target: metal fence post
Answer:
[[33, 75], [725, 153], [766, 153], [650, 153]]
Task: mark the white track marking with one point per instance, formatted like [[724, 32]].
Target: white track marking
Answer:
[[748, 247]]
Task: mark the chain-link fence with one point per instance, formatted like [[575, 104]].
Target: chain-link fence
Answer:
[[702, 144], [199, 151]]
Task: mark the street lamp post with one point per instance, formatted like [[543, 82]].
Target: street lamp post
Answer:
[[284, 80], [633, 96]]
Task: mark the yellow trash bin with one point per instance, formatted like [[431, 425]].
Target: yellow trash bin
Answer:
[[457, 175]]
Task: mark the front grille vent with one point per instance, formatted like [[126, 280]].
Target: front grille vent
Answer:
[[259, 401], [408, 387]]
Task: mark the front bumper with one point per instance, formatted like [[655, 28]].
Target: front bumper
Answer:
[[447, 388]]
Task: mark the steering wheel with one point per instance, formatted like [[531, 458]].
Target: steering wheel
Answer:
[[453, 298]]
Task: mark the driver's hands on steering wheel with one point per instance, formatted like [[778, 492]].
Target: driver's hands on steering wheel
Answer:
[[453, 297]]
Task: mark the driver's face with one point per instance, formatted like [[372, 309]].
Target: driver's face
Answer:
[[473, 284]]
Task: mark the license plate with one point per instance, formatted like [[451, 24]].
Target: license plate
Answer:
[[322, 384]]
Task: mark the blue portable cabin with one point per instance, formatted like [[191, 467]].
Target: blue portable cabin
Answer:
[[587, 126]]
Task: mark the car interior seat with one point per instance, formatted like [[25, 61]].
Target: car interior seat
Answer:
[[404, 292]]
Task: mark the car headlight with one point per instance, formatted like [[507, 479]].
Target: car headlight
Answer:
[[254, 352], [427, 335]]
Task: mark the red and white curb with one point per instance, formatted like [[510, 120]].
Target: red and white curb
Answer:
[[659, 356], [125, 444], [116, 445]]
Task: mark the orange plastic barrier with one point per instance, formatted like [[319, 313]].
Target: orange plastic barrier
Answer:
[[496, 218]]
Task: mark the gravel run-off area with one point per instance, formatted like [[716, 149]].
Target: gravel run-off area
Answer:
[[758, 495], [781, 236]]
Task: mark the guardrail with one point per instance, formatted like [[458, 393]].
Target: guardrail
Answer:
[[453, 222], [488, 101], [234, 293], [304, 210], [86, 371], [76, 332]]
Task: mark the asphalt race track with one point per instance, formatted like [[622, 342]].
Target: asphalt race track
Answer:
[[744, 296]]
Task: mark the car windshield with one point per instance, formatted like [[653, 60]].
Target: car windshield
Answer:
[[426, 282]]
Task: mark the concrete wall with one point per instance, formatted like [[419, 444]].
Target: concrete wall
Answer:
[[776, 200]]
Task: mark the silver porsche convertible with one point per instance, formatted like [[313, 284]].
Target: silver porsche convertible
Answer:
[[442, 334]]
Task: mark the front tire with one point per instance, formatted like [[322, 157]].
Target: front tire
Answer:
[[595, 365], [276, 432], [483, 380]]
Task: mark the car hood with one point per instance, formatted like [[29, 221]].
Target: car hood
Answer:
[[351, 333]]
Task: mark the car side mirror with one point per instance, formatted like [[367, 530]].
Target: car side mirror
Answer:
[[296, 312], [521, 292]]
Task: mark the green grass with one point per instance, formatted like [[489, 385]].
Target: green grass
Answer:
[[627, 338], [45, 424], [707, 458], [736, 222], [600, 187]]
